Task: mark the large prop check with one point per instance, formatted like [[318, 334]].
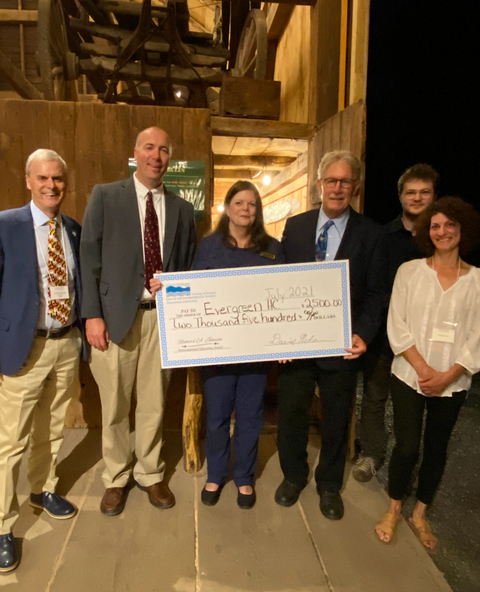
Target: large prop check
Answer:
[[253, 314]]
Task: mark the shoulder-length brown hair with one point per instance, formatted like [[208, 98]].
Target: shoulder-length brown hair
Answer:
[[259, 239], [454, 209]]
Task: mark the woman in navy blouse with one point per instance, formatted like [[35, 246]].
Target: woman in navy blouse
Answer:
[[240, 240]]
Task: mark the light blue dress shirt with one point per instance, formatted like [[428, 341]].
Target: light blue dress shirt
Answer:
[[40, 224], [335, 232]]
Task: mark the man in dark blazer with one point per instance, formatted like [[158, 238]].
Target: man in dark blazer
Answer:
[[335, 231], [40, 341], [132, 228]]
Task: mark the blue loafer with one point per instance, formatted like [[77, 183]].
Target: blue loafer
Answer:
[[8, 553], [55, 506]]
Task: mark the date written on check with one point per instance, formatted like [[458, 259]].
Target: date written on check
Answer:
[[254, 314]]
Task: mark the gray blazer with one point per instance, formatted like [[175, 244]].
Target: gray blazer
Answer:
[[111, 252]]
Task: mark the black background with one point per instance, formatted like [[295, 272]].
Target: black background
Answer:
[[423, 99]]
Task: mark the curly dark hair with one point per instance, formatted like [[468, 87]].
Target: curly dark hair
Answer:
[[259, 239], [454, 209], [418, 172]]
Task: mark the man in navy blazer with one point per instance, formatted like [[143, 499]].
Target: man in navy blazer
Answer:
[[335, 231], [39, 354], [121, 320]]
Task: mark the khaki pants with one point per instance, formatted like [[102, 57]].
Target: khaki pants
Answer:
[[133, 366], [34, 402]]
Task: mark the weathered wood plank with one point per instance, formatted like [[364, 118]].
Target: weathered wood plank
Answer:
[[249, 97], [325, 59], [8, 15], [17, 79], [179, 75], [231, 126], [273, 162]]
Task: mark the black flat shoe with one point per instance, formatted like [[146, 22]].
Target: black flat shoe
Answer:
[[331, 505], [287, 493], [246, 501], [210, 498]]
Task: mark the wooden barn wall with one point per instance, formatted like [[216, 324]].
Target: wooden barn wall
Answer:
[[292, 66], [96, 141], [344, 131]]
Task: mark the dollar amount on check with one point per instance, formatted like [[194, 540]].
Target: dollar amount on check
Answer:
[[254, 314]]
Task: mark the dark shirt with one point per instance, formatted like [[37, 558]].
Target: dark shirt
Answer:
[[212, 253], [401, 247]]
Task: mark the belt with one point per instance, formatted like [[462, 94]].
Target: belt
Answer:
[[148, 305], [54, 333]]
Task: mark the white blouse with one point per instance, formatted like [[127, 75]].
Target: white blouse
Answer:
[[444, 325]]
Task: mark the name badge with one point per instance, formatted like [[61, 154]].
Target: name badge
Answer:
[[445, 335], [58, 293]]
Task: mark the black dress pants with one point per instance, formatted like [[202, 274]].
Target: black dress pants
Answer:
[[376, 388], [408, 410], [296, 391]]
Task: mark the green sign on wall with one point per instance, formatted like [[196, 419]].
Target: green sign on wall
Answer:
[[186, 178]]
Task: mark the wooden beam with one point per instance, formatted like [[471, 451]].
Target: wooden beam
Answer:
[[18, 16], [293, 2], [134, 71], [233, 174], [17, 80], [278, 16], [298, 168], [325, 34], [258, 128], [272, 162], [359, 49], [342, 75]]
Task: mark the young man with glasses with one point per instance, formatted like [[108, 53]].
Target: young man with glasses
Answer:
[[417, 188]]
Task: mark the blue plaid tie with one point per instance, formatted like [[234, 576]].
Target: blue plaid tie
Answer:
[[321, 246]]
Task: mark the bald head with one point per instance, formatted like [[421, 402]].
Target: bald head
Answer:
[[152, 152]]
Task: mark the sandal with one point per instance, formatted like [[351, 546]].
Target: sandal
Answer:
[[422, 530], [387, 524]]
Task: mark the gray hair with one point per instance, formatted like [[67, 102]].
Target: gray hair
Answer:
[[332, 157], [44, 155], [170, 147]]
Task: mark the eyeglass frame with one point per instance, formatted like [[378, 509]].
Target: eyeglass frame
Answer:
[[344, 183]]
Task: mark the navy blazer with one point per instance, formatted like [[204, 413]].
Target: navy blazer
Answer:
[[363, 244], [19, 284]]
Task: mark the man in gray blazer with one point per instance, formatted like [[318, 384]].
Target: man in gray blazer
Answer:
[[132, 229]]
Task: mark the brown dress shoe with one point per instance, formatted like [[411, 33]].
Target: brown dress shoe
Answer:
[[160, 496], [113, 501]]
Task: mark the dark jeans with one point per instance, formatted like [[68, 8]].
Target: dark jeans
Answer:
[[296, 392], [408, 409], [239, 388], [376, 387]]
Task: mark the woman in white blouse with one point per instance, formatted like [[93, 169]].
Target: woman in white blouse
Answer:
[[434, 331]]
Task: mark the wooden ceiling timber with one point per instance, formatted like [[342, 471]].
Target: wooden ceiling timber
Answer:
[[293, 2], [278, 16], [258, 128], [234, 174], [289, 174], [17, 79], [273, 162], [23, 17]]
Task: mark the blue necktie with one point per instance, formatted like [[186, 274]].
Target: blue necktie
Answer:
[[321, 246]]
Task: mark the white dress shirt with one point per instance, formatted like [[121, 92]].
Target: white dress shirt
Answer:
[[40, 224], [335, 232], [444, 325], [159, 205]]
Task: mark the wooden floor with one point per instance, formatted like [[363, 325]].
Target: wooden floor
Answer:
[[193, 548]]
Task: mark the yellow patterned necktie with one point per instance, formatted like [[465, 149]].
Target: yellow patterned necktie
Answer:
[[57, 275]]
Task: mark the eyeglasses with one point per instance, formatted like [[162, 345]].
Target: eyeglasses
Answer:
[[332, 181]]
